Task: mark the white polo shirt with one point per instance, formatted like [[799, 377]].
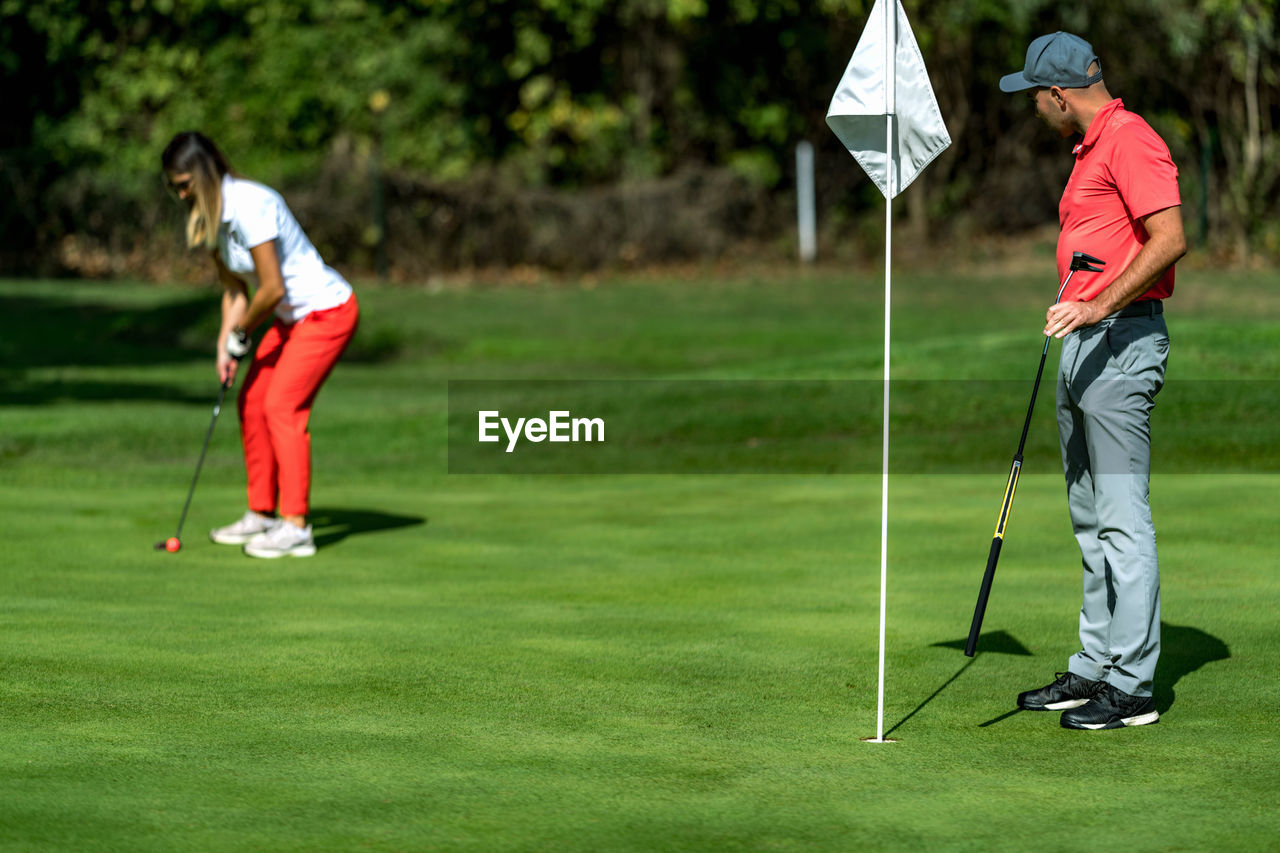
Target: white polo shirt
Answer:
[[253, 214]]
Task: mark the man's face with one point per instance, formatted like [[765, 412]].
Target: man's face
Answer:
[[1052, 110]]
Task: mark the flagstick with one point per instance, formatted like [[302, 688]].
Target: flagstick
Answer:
[[852, 117], [891, 14]]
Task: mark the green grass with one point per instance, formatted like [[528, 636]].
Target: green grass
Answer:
[[678, 660]]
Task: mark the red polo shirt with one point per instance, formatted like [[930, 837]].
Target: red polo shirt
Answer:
[[1123, 172]]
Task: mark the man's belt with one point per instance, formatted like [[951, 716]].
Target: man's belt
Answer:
[[1145, 308]]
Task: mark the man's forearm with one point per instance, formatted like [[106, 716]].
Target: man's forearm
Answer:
[[1156, 256], [1166, 242]]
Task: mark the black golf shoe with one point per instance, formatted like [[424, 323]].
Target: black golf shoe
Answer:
[[1067, 691], [1112, 708]]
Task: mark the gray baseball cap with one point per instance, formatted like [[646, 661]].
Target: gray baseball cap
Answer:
[[1060, 59]]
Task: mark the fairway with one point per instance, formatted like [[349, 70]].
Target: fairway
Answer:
[[680, 657]]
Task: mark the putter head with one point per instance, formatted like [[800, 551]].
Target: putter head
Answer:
[[1088, 263]]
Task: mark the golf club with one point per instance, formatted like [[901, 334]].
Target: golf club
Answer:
[[173, 543], [1079, 261]]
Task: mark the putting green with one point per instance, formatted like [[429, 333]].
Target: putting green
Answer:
[[659, 661]]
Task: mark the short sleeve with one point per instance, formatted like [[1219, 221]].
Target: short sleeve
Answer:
[[257, 215], [1143, 170]]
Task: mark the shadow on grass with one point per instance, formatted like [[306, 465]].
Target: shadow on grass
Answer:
[[44, 329], [996, 642], [332, 525], [1183, 650], [55, 330], [26, 392], [932, 696]]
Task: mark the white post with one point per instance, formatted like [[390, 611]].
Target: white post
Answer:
[[891, 16], [806, 213]]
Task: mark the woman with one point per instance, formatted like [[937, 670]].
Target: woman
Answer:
[[250, 232]]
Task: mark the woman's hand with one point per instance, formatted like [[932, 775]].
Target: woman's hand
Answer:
[[226, 367]]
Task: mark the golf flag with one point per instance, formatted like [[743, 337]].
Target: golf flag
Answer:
[[867, 94], [892, 153]]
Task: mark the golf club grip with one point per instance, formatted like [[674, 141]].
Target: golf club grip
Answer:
[[979, 611]]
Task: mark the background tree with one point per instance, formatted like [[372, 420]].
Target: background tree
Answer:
[[528, 100]]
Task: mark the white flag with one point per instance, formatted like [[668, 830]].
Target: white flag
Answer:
[[860, 103]]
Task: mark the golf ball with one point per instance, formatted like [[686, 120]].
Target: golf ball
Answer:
[[172, 544]]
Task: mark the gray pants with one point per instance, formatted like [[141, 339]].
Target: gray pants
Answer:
[[1107, 382]]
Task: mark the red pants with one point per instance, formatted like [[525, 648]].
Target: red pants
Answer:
[[290, 365]]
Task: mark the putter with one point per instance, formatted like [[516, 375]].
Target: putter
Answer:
[[217, 407], [1079, 261]]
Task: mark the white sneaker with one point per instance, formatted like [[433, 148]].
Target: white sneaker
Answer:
[[250, 525], [282, 540]]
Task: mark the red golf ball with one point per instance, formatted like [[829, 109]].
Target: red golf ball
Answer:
[[172, 544]]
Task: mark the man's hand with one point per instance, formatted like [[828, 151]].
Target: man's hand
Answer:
[[1165, 244], [1065, 317]]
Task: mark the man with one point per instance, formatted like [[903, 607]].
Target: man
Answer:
[[1122, 205]]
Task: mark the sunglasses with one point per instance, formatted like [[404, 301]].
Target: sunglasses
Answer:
[[179, 186]]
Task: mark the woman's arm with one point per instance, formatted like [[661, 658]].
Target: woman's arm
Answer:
[[235, 302], [240, 313], [270, 290]]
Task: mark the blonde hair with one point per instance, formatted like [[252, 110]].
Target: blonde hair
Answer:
[[195, 154]]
